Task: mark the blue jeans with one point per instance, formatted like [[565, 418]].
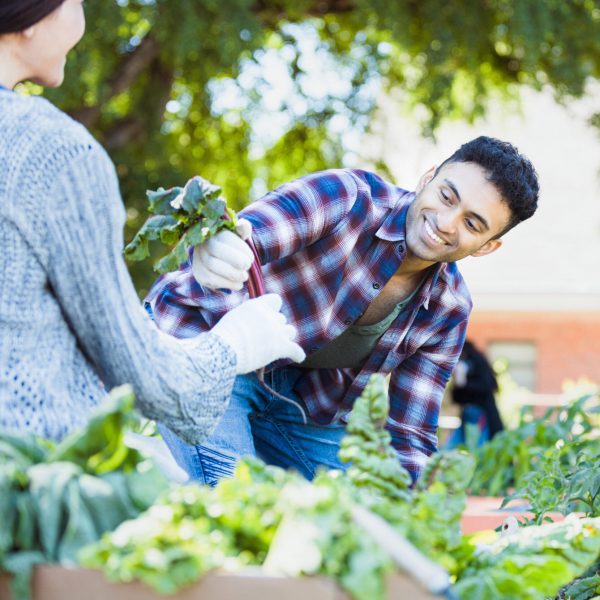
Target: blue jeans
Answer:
[[473, 431], [258, 423]]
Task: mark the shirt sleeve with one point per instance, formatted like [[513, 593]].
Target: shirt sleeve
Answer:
[[185, 384], [301, 212], [283, 222], [416, 392]]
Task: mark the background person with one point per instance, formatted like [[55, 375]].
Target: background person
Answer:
[[473, 389], [71, 324]]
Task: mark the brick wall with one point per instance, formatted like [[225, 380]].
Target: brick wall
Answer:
[[568, 344]]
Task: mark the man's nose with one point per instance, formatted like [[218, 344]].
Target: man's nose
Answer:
[[447, 220]]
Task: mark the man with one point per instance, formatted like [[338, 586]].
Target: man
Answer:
[[367, 274]]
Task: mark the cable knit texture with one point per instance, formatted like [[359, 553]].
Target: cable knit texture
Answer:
[[71, 324]]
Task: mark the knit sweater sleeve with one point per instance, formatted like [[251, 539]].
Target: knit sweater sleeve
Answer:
[[184, 384]]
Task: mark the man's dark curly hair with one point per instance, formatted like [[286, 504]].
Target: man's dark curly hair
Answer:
[[510, 172]]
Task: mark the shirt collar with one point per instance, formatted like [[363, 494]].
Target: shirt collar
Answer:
[[393, 227]]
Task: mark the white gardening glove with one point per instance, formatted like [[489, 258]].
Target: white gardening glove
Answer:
[[223, 260], [258, 333]]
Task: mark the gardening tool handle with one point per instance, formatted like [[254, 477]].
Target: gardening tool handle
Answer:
[[411, 560]]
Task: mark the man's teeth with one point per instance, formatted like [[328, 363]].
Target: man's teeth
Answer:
[[436, 238]]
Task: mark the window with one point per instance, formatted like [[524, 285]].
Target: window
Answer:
[[521, 358]]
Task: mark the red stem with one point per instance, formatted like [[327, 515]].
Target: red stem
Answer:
[[256, 285]]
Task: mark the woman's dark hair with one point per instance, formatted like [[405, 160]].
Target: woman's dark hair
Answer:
[[17, 15], [510, 172]]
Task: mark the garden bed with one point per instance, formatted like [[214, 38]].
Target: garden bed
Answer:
[[59, 583]]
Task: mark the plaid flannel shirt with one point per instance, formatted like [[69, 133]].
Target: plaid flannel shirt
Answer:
[[328, 243]]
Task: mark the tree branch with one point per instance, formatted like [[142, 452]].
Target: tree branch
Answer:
[[130, 68], [131, 127]]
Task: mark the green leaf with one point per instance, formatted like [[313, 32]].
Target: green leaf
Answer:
[[137, 249], [166, 228], [98, 447], [198, 234], [21, 565], [197, 192], [25, 449], [167, 263], [80, 529], [160, 200], [48, 484], [175, 258], [188, 216]]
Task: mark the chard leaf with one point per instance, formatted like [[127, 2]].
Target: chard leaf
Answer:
[[183, 217], [160, 200]]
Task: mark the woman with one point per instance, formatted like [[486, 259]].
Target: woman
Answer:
[[71, 325]]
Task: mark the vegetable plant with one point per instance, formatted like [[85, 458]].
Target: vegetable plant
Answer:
[[183, 217], [533, 563], [266, 516], [56, 498], [503, 462]]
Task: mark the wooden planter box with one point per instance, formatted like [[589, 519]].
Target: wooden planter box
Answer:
[[484, 512], [60, 583]]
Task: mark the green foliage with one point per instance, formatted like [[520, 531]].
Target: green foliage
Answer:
[[55, 499], [367, 446], [533, 563], [183, 217], [146, 79], [194, 529], [265, 516], [505, 461], [565, 479], [583, 588]]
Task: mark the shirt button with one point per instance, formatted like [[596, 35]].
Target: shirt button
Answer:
[[314, 348], [401, 247], [348, 322], [376, 286]]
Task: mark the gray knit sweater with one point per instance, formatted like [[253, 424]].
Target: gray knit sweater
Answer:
[[71, 325]]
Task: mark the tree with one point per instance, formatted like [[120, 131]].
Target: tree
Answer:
[[147, 76]]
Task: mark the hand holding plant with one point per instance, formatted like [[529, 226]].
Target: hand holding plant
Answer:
[[191, 216]]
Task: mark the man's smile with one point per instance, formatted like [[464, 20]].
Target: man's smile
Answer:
[[432, 235]]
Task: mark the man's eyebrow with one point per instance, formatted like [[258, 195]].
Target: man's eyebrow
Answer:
[[475, 215]]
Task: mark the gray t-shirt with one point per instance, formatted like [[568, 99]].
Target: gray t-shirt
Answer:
[[353, 347]]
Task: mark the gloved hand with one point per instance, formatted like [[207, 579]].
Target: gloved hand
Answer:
[[223, 261], [258, 333]]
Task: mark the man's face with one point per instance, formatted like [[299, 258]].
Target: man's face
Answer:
[[455, 214]]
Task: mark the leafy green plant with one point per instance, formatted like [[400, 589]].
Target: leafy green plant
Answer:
[[56, 498], [193, 529], [428, 515], [264, 515], [367, 446], [183, 217], [566, 479], [585, 587], [503, 462], [533, 563]]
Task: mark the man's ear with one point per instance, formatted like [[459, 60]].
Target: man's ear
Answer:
[[489, 247], [426, 178]]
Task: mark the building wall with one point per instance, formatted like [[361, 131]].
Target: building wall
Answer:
[[543, 285], [567, 344]]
